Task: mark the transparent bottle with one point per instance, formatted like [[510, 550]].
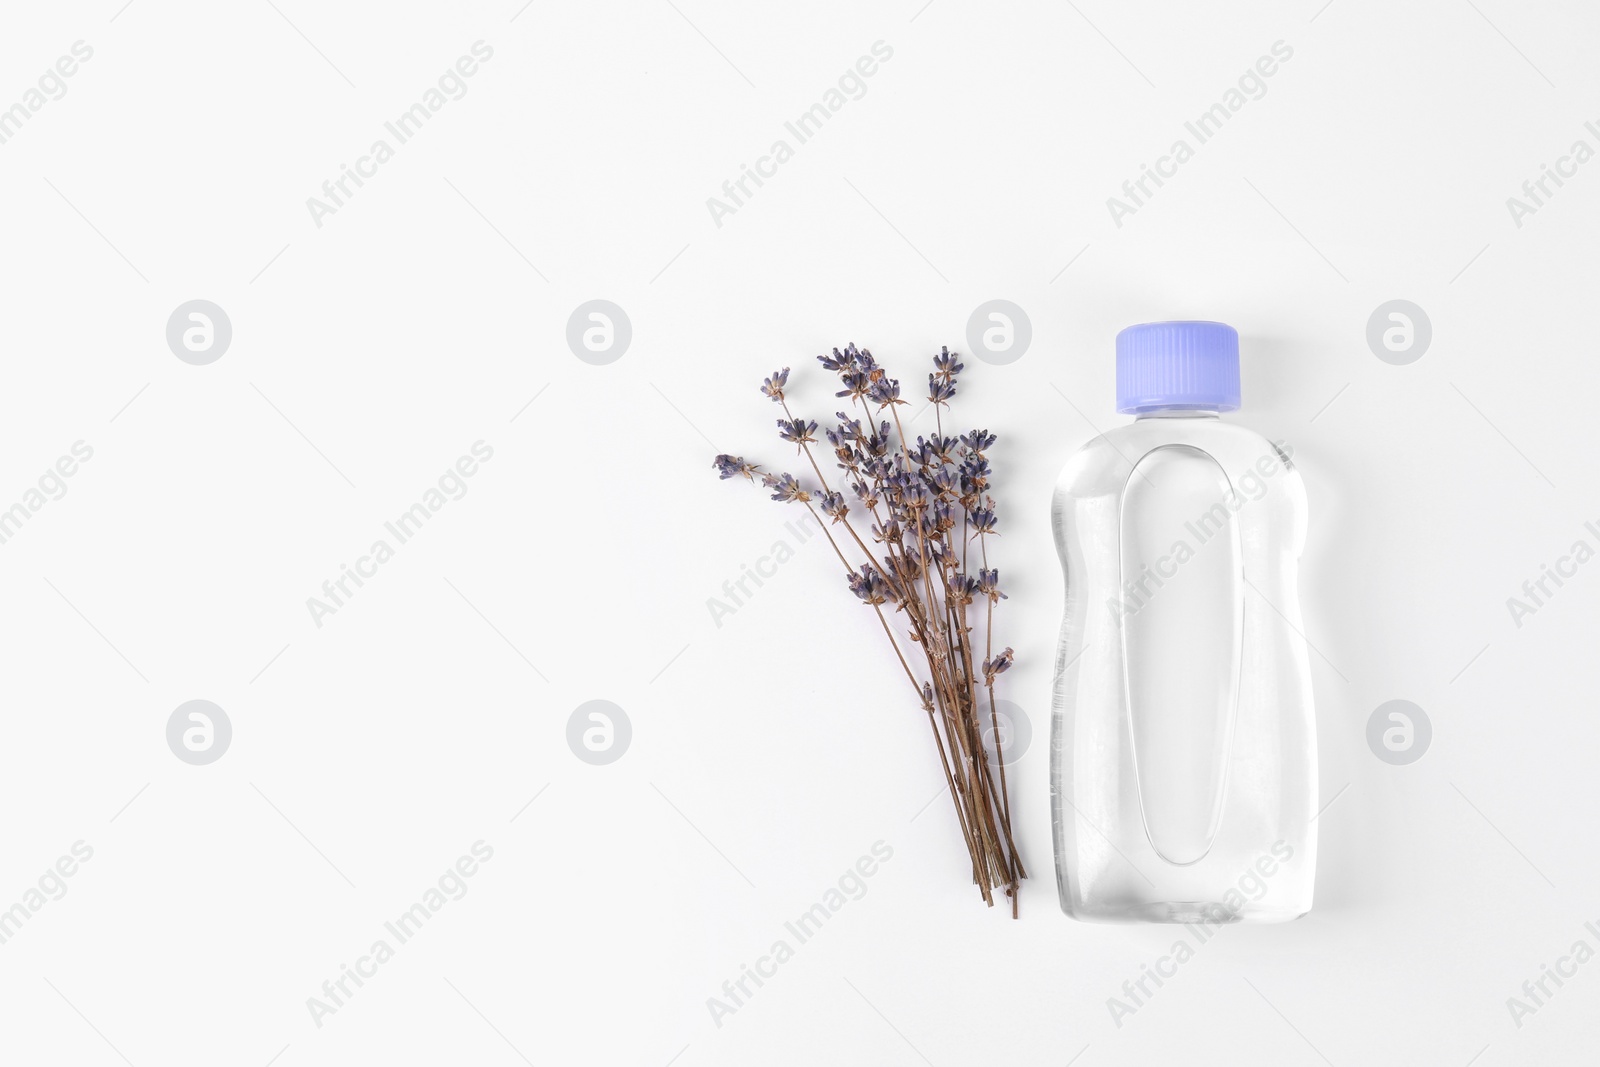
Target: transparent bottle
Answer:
[[1183, 749]]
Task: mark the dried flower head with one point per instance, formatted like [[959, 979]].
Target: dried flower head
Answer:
[[885, 392], [997, 665], [797, 431], [773, 387], [733, 466], [840, 361], [989, 585], [870, 585], [978, 440], [785, 488]]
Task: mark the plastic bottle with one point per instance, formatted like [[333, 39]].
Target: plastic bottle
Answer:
[[1183, 754]]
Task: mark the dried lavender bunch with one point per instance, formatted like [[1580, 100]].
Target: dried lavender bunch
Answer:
[[928, 514]]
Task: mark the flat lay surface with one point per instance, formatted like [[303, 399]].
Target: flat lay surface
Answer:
[[392, 680]]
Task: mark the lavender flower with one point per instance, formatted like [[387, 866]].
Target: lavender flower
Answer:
[[947, 365], [785, 488], [989, 585], [978, 440], [963, 589], [841, 360], [833, 505], [870, 586], [910, 568], [773, 386], [885, 391], [975, 471], [996, 666], [912, 498], [865, 494], [849, 429], [855, 384], [797, 431], [878, 444], [911, 494], [732, 466]]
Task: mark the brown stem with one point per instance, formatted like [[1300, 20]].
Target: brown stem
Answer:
[[945, 636], [966, 831]]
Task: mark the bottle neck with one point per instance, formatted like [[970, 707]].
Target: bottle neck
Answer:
[[1178, 413]]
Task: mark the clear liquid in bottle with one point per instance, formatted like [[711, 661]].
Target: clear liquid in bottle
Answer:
[[1183, 754]]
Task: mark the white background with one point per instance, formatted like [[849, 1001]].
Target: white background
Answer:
[[772, 751]]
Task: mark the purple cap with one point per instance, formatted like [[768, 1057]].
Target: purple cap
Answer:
[[1178, 365]]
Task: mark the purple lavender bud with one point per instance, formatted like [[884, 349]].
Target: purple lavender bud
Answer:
[[834, 506], [773, 386], [840, 361], [733, 466], [885, 391], [785, 488], [989, 585], [869, 585], [947, 364], [855, 384], [993, 668], [978, 440], [797, 431]]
